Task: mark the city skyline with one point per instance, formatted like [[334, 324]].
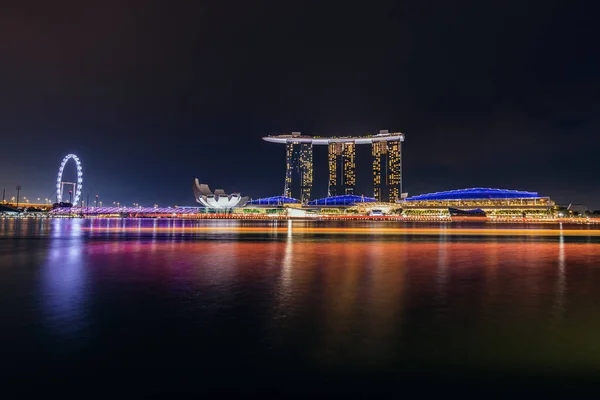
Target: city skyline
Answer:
[[500, 95], [386, 159], [340, 199]]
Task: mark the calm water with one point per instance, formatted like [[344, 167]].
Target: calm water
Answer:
[[148, 307]]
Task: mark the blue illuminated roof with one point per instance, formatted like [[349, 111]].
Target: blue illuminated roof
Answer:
[[343, 200], [273, 201], [475, 194]]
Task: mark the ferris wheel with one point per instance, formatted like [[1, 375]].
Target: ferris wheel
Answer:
[[76, 185]]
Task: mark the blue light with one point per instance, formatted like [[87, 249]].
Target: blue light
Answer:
[[275, 200], [476, 194], [343, 200]]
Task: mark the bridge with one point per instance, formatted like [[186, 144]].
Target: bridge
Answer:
[[168, 211], [28, 206]]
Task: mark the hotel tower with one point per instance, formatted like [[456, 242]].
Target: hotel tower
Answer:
[[342, 168], [387, 169], [299, 169], [387, 164]]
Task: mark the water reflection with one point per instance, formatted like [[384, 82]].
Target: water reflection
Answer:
[[285, 282], [442, 269], [64, 280], [287, 291], [385, 302], [561, 279]]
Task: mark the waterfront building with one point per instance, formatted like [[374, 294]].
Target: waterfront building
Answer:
[[387, 164], [387, 170], [274, 201], [338, 205], [217, 200], [299, 169], [341, 201], [493, 203], [269, 206], [353, 205], [342, 168]]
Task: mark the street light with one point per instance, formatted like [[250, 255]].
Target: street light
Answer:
[[18, 193]]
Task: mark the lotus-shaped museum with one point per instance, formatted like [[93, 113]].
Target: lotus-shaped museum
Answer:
[[219, 199]]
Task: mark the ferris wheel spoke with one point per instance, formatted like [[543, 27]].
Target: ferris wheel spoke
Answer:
[[59, 181]]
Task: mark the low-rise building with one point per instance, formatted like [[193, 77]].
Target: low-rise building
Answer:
[[480, 202]]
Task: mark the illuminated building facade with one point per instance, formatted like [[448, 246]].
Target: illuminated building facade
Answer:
[[342, 168], [387, 170], [387, 164], [273, 201], [217, 200], [494, 203], [380, 162], [299, 169], [341, 201]]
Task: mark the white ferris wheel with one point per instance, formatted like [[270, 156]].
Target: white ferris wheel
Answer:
[[76, 186]]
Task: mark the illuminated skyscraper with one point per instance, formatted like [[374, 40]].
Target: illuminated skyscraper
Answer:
[[342, 168], [387, 169], [299, 169], [394, 188], [387, 163], [379, 151]]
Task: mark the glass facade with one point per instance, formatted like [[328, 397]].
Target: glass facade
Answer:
[[379, 152], [275, 200], [497, 203], [477, 193], [344, 200], [386, 157], [342, 168], [299, 170], [394, 170], [540, 201], [387, 170]]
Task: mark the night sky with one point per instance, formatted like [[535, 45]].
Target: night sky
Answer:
[[152, 94]]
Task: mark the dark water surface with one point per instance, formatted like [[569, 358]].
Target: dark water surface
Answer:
[[145, 307]]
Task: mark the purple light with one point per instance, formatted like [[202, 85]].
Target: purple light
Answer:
[[124, 210]]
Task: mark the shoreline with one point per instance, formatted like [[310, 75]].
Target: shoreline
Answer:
[[444, 220]]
